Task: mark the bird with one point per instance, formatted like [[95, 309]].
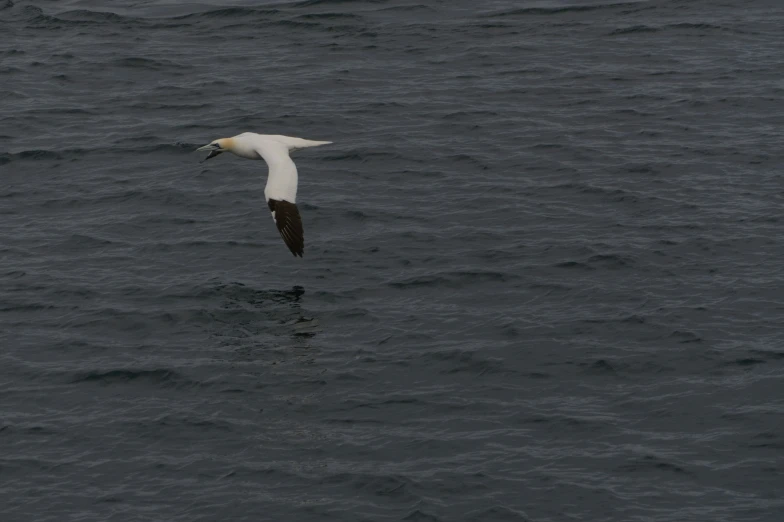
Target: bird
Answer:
[[281, 189]]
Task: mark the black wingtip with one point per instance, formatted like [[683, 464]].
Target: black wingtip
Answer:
[[289, 223]]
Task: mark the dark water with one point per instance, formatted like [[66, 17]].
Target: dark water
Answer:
[[542, 281]]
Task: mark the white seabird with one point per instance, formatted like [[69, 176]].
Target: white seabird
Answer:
[[281, 189]]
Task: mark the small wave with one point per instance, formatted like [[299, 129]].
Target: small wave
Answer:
[[309, 3], [466, 158], [454, 279], [30, 12], [395, 486], [770, 441], [642, 28], [159, 106], [685, 337], [354, 421], [633, 319], [651, 463], [745, 361], [82, 241], [497, 513], [610, 261], [630, 319], [559, 9], [600, 366], [348, 156], [356, 215], [51, 155], [421, 516], [30, 429], [356, 312], [230, 12], [136, 62], [160, 375], [616, 193], [330, 16], [771, 354], [171, 421], [573, 265], [37, 18], [634, 29], [85, 16], [32, 155], [49, 111], [469, 114], [365, 156], [76, 202], [468, 362], [408, 8], [294, 24], [29, 307], [687, 25]]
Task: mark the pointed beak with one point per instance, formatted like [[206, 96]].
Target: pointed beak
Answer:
[[214, 149]]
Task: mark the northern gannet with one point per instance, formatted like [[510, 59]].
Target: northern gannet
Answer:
[[281, 189]]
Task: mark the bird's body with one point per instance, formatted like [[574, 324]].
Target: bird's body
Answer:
[[281, 189]]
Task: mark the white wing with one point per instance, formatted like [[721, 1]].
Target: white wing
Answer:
[[283, 178], [281, 191]]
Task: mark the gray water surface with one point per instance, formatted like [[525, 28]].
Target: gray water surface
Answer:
[[542, 276]]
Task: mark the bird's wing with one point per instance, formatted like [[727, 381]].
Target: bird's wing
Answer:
[[289, 223], [281, 192]]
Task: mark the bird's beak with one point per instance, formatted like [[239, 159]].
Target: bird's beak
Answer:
[[214, 149]]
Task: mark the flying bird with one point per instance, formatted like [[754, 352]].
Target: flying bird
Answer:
[[281, 189]]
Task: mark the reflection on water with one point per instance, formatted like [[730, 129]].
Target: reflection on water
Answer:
[[270, 321], [302, 325]]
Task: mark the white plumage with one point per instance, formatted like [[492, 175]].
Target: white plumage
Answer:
[[281, 189]]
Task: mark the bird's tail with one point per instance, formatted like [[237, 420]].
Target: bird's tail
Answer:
[[298, 143], [311, 143]]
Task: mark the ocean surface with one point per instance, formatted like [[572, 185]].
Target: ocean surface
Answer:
[[542, 282]]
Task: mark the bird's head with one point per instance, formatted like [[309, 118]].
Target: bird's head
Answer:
[[216, 147]]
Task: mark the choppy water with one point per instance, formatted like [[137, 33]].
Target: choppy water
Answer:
[[542, 277]]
